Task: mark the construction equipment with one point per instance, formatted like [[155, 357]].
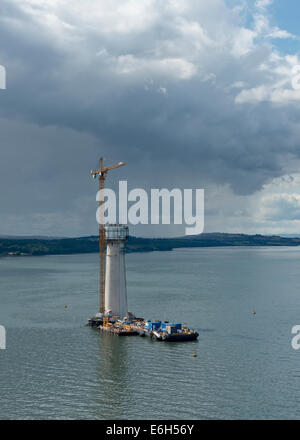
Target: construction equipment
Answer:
[[102, 173]]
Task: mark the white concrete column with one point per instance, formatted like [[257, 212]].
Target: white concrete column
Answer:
[[123, 285], [115, 279]]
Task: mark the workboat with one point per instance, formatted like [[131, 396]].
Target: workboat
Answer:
[[169, 332], [180, 336]]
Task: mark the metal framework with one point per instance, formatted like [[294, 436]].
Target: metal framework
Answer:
[[102, 173]]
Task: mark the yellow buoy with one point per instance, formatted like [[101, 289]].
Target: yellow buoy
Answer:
[[194, 354]]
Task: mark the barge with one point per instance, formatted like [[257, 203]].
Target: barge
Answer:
[[130, 326], [118, 327], [169, 332]]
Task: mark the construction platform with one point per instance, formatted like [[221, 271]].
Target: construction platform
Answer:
[[157, 330], [118, 331]]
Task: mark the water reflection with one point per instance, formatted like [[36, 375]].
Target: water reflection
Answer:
[[113, 389]]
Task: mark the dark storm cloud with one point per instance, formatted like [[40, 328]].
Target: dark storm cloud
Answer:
[[157, 90]]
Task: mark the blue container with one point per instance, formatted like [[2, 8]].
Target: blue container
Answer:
[[178, 325], [156, 325]]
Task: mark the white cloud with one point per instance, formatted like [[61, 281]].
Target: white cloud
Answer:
[[195, 33], [277, 207], [238, 85], [280, 33], [276, 84], [243, 42], [280, 207], [273, 210], [162, 90], [263, 4], [169, 67], [100, 16]]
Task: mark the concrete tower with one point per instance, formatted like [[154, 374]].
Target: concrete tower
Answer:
[[115, 277]]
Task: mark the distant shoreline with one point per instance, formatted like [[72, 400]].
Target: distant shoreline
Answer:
[[83, 245]]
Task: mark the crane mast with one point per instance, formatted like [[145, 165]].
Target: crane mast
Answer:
[[102, 173]]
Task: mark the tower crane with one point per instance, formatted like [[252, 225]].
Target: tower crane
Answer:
[[102, 173]]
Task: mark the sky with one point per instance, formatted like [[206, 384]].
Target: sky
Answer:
[[189, 93]]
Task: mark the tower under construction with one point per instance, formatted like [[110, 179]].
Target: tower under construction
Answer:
[[101, 174], [115, 277], [114, 316]]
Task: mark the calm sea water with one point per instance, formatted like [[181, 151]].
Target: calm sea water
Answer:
[[56, 368]]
